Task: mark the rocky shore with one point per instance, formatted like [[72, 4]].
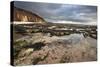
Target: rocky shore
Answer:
[[40, 48]]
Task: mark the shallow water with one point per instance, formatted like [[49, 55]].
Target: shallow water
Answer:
[[74, 38], [77, 38]]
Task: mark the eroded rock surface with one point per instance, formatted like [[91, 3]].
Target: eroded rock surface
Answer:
[[41, 49]]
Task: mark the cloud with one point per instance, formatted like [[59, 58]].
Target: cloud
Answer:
[[63, 12]]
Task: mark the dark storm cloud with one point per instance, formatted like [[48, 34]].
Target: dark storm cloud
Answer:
[[53, 12]]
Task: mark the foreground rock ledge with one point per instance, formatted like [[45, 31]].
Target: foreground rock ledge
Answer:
[[55, 50]]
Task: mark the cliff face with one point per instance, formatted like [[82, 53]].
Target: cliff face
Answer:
[[22, 15]]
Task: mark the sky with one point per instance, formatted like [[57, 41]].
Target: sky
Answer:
[[62, 13]]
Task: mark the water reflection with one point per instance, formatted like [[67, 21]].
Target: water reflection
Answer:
[[74, 38]]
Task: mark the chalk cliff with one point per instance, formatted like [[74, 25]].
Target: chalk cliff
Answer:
[[21, 15]]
